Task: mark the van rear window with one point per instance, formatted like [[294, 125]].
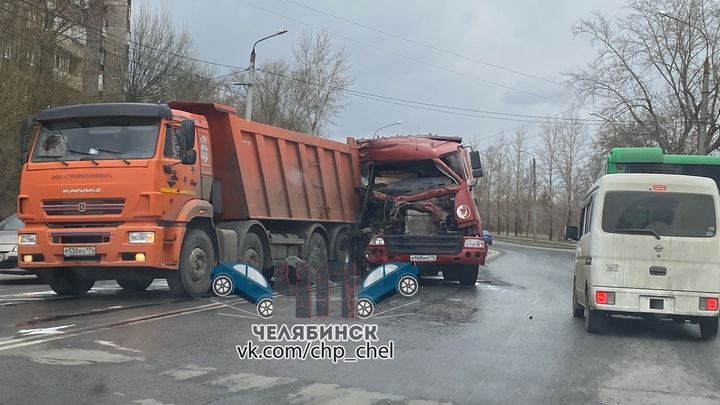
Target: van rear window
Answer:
[[668, 214]]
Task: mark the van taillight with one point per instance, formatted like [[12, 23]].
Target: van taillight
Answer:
[[604, 297], [709, 304]]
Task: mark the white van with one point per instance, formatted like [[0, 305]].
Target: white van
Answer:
[[648, 247]]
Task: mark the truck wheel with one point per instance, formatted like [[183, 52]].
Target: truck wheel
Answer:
[[709, 328], [343, 249], [316, 242], [468, 275], [196, 260], [577, 310], [135, 283], [450, 274], [593, 318], [407, 286], [66, 282], [252, 253]]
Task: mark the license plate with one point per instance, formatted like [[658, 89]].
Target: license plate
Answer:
[[79, 251], [423, 258]]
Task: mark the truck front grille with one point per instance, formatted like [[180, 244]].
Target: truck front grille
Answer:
[[84, 207], [423, 244]]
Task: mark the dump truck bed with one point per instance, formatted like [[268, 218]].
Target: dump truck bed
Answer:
[[265, 172]]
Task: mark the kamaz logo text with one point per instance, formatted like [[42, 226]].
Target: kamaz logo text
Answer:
[[82, 190]]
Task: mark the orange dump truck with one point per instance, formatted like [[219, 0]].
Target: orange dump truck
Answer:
[[135, 192]]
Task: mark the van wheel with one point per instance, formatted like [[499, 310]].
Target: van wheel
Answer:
[[709, 328], [577, 310], [593, 318]]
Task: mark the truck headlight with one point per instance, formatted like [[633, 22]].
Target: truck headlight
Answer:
[[141, 237], [377, 241], [27, 239], [474, 243]]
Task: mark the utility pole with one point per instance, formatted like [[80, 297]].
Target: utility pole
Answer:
[[702, 133], [251, 83], [702, 124], [534, 210]]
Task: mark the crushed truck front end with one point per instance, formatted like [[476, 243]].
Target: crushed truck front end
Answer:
[[418, 206]]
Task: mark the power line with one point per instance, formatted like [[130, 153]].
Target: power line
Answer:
[[426, 45], [399, 55], [431, 106]]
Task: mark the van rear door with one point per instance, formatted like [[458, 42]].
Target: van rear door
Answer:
[[655, 239]]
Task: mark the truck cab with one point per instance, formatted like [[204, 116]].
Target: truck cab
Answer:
[[418, 206]]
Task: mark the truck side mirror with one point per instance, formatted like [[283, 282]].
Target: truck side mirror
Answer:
[[571, 232], [25, 128], [27, 125], [478, 172], [475, 161], [188, 132], [189, 158]]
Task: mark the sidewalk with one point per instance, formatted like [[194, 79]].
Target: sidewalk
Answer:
[[521, 240]]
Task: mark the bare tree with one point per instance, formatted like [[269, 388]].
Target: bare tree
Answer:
[[162, 62], [307, 93], [573, 135], [321, 70], [548, 168], [646, 73], [519, 157]]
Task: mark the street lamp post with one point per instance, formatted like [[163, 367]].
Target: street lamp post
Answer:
[[534, 194], [386, 126], [702, 125], [251, 83]]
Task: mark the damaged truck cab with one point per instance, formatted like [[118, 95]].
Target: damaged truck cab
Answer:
[[417, 205]]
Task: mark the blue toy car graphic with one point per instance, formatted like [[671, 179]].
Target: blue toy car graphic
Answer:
[[384, 282], [246, 282]]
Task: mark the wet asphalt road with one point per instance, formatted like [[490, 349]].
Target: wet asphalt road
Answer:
[[508, 340]]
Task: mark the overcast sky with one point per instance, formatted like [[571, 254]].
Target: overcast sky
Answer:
[[527, 36]]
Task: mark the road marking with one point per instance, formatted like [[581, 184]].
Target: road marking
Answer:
[[328, 394], [44, 331], [114, 346], [76, 357], [246, 381], [189, 371]]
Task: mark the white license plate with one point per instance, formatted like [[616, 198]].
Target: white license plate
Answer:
[[79, 251], [423, 258]]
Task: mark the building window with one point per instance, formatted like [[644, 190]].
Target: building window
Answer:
[[62, 63]]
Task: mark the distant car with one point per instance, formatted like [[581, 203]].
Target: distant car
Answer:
[[246, 282], [384, 282], [487, 237], [8, 241]]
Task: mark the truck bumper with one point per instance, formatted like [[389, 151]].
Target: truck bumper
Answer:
[[111, 247], [377, 255], [655, 303]]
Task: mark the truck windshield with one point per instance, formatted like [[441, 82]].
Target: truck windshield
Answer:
[[663, 214], [405, 178], [97, 139]]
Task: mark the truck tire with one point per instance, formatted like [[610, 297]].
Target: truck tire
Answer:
[[197, 258], [708, 328], [468, 274], [450, 274], [66, 282], [137, 283], [342, 252], [252, 253]]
